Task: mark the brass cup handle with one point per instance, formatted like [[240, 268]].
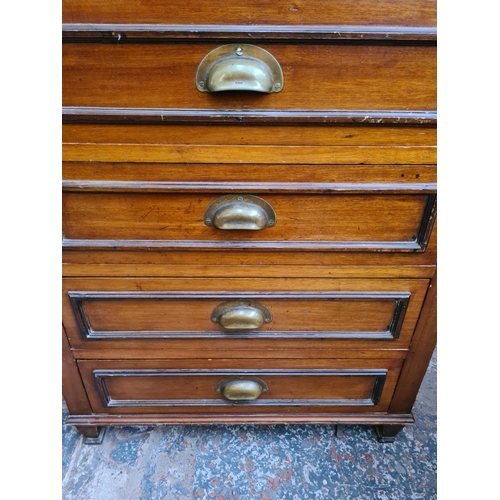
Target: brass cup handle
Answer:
[[241, 315], [239, 67], [241, 389], [240, 212]]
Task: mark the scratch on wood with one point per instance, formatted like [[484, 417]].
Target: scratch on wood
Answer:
[[144, 216]]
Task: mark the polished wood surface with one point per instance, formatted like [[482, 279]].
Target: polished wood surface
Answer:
[[419, 355], [251, 12], [72, 387], [360, 316], [126, 33], [176, 314], [79, 176], [304, 155], [172, 263], [300, 385], [264, 134], [162, 76], [197, 116], [204, 418], [307, 350], [386, 222], [346, 156]]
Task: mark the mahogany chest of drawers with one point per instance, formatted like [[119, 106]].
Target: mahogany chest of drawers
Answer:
[[249, 204]]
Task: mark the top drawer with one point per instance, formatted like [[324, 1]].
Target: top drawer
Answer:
[[252, 12], [315, 77]]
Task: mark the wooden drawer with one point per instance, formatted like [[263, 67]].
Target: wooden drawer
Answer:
[[247, 13], [323, 312], [358, 77], [224, 314], [362, 220], [197, 386]]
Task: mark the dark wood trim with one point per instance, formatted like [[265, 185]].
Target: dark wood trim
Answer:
[[262, 187], [82, 320], [203, 116], [78, 298], [419, 355], [103, 295], [100, 377], [338, 246], [428, 218], [247, 419], [387, 433], [91, 434], [400, 308], [123, 33]]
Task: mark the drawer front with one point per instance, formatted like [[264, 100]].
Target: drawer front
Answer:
[[239, 386], [250, 12], [316, 77], [232, 313], [365, 221]]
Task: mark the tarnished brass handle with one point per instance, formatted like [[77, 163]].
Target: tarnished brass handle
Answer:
[[245, 212], [247, 389], [239, 67], [241, 315]]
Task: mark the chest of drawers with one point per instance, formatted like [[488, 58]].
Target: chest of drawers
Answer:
[[249, 204]]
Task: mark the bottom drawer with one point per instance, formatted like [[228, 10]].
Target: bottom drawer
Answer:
[[240, 386]]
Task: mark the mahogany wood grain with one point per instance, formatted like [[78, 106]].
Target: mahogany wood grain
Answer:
[[120, 386], [124, 33], [301, 155], [228, 284], [269, 353], [296, 178], [241, 271], [260, 263], [204, 418], [346, 154], [191, 312], [315, 77], [251, 12], [72, 387], [419, 355], [156, 316], [264, 134], [141, 385], [189, 116], [391, 222]]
